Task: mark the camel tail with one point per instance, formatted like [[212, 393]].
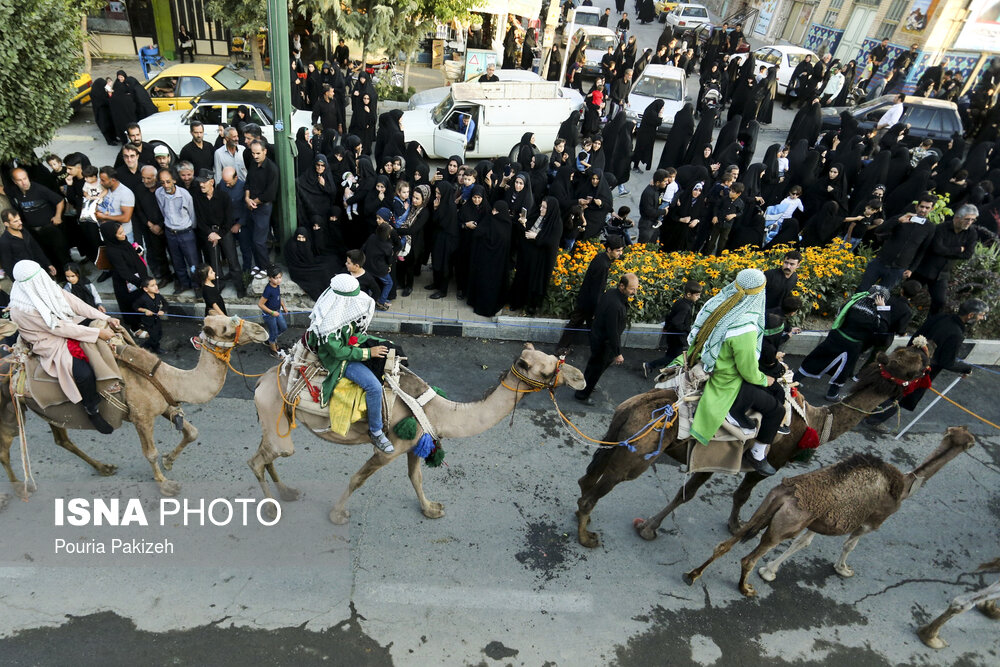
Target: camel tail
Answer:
[[762, 517]]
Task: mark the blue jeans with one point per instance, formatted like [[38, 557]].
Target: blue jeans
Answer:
[[361, 375], [260, 221], [386, 283], [879, 271], [275, 325], [184, 254]]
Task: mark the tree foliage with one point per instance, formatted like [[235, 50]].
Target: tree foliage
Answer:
[[243, 18], [40, 52]]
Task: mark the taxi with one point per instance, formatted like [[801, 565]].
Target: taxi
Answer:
[[175, 87], [81, 91]]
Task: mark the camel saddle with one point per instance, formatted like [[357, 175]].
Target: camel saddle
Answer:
[[301, 377], [724, 452]]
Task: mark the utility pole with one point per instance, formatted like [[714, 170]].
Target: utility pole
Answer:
[[281, 97]]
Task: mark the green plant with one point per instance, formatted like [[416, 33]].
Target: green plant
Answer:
[[386, 91], [940, 212], [979, 278]]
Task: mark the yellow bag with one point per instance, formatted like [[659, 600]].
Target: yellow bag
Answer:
[[347, 406]]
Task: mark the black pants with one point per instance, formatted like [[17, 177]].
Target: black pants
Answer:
[[578, 319], [768, 401], [377, 365], [938, 289], [156, 255], [601, 357], [53, 243], [86, 382]]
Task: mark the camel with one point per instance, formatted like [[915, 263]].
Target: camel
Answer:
[[985, 600], [449, 419], [853, 497], [199, 385], [613, 465]]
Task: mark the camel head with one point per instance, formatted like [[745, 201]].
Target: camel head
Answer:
[[903, 365], [956, 440], [956, 437], [542, 368], [222, 329]]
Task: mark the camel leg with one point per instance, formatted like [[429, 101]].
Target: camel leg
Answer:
[[6, 441], [275, 441], [596, 483], [189, 433], [339, 514], [989, 609], [769, 540], [61, 438], [431, 509], [929, 633], [647, 528], [841, 566], [740, 497], [721, 549], [144, 428], [769, 571], [286, 492]]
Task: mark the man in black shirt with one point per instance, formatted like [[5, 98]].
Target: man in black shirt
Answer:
[[327, 111], [15, 245], [606, 334], [148, 216], [650, 213], [879, 54], [931, 80], [595, 281], [342, 54], [196, 151], [905, 238], [951, 242], [135, 139], [262, 188], [213, 213], [490, 75], [782, 281], [676, 328], [41, 211]]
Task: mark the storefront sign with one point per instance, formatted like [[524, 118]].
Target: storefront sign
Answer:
[[982, 28], [766, 13], [919, 17]]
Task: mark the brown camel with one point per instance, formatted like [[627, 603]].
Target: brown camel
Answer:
[[145, 402], [852, 497], [984, 600], [613, 465], [450, 420]]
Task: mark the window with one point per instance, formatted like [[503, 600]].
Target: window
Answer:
[[165, 86], [885, 31], [892, 18], [209, 115], [698, 12], [920, 118], [659, 87], [230, 79], [189, 86], [831, 18]]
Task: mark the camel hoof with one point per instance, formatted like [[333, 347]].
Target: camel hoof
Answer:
[[767, 574], [107, 469], [288, 494], [168, 462], [734, 526], [269, 511], [21, 490], [169, 487], [845, 571], [589, 539], [930, 640], [690, 577], [433, 510], [643, 529], [988, 609], [339, 517], [748, 591]]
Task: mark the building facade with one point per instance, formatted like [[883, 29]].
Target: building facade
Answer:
[[122, 27]]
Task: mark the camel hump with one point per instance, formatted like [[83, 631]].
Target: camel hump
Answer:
[[137, 359]]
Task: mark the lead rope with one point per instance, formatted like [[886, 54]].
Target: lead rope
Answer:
[[20, 378]]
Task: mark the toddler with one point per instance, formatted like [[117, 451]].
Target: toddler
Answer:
[[273, 307]]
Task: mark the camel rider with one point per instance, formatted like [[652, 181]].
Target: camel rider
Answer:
[[55, 322], [726, 338], [337, 333]]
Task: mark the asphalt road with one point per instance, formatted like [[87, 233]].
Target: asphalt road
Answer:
[[500, 579]]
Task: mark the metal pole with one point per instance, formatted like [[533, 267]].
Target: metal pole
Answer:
[[929, 406], [569, 39], [281, 96]]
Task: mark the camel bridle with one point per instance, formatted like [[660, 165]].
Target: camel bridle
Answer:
[[223, 349], [533, 384]]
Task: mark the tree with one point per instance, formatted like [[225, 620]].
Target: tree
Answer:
[[84, 8], [43, 36], [244, 18]]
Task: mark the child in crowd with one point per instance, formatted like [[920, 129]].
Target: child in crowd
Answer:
[[619, 224], [93, 194], [379, 250], [676, 328], [583, 157], [558, 158], [920, 152], [58, 169], [859, 225], [81, 287], [775, 215], [783, 163], [153, 306], [401, 203], [356, 267], [273, 307], [210, 292]]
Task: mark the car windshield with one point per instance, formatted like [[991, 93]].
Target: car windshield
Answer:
[[230, 79], [587, 18], [795, 58], [600, 42], [867, 106], [695, 12], [654, 86], [441, 110]]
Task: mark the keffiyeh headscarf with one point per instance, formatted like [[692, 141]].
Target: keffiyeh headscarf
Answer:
[[736, 309], [34, 291], [342, 304]]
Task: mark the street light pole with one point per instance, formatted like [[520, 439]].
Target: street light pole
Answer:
[[281, 97]]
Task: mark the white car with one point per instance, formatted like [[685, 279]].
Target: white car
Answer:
[[432, 96], [215, 108], [597, 42], [663, 82], [786, 58], [580, 17], [688, 16]]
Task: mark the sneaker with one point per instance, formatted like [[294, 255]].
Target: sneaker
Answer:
[[645, 370], [833, 393], [381, 442], [761, 467], [737, 423], [784, 429], [99, 423], [622, 192]]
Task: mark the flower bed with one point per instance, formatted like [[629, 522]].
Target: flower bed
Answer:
[[827, 276]]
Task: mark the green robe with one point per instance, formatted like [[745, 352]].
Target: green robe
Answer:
[[736, 363], [335, 352]]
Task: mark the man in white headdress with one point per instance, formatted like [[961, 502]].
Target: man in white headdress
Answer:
[[338, 334], [726, 338], [55, 322]]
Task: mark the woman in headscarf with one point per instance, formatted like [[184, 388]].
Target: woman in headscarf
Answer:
[[304, 159], [528, 48], [906, 193], [316, 193], [620, 162], [313, 84], [766, 91], [684, 218], [122, 105], [363, 121], [593, 101], [489, 262], [689, 174], [569, 130], [645, 136], [729, 133], [101, 104], [539, 177], [144, 107], [826, 223], [711, 76], [677, 140], [310, 271], [446, 239], [743, 91], [610, 133], [630, 54], [450, 174], [702, 137], [536, 258], [850, 71], [127, 269], [641, 63], [977, 163], [523, 150], [873, 173], [470, 215], [806, 124], [647, 12], [728, 155], [748, 140], [563, 189], [594, 195], [359, 193], [363, 85], [831, 188], [411, 235], [241, 118], [389, 138], [899, 167]]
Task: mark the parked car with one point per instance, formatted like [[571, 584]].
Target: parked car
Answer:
[[928, 118], [215, 108], [596, 43], [664, 82], [785, 58], [81, 91], [433, 96], [502, 113], [664, 6], [174, 87], [686, 16], [580, 17]]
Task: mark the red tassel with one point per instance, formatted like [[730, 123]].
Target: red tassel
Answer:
[[809, 439]]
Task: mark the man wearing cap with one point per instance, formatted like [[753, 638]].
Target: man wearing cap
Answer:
[[162, 159], [55, 322], [177, 208], [213, 212], [337, 333], [196, 151], [726, 338]]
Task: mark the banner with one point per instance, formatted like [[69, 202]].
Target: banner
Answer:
[[982, 29], [919, 17], [766, 13]]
